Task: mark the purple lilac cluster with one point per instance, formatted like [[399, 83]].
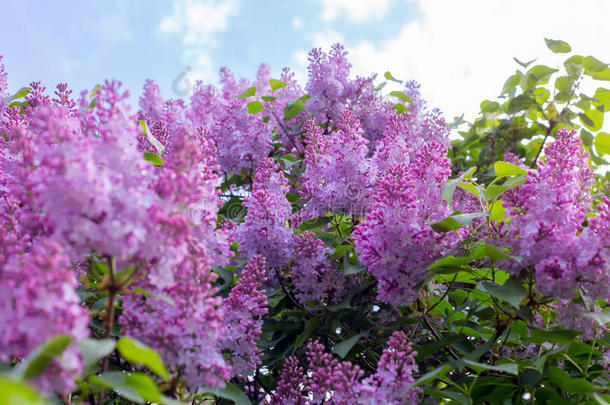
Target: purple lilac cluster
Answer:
[[314, 277], [340, 382], [243, 309], [547, 211], [395, 241], [265, 231], [338, 175]]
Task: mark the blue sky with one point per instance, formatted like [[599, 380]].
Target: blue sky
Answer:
[[460, 51]]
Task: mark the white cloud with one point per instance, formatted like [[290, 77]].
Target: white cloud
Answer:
[[461, 51], [197, 23], [357, 10], [297, 23]]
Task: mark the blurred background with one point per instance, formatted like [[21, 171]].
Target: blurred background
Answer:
[[459, 51]]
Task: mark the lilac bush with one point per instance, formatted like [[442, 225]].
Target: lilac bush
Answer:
[[275, 242]]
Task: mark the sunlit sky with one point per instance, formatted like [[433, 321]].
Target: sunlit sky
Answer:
[[460, 51]]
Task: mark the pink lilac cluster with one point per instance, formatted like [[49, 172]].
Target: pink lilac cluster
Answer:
[[314, 277], [332, 91], [265, 231], [243, 139], [328, 380], [75, 179], [243, 311], [37, 302], [395, 240], [546, 230], [338, 176]]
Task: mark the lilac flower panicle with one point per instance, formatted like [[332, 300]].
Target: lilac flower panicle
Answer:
[[264, 231], [243, 309], [38, 301], [338, 176], [313, 275]]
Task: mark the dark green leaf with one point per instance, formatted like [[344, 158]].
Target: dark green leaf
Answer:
[[439, 372], [341, 349], [511, 291], [509, 368], [231, 392], [268, 98], [135, 386], [314, 223], [524, 64], [569, 383]]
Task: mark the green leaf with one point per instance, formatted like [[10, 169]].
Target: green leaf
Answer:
[[569, 383], [276, 84], [509, 368], [564, 83], [37, 362], [497, 212], [269, 98], [93, 350], [593, 65], [431, 375], [450, 262], [524, 64], [511, 291], [292, 109], [542, 72], [255, 107], [349, 268], [593, 119], [504, 169], [603, 75], [249, 92], [138, 353], [312, 325], [491, 251], [561, 336], [574, 66], [314, 223], [14, 392], [341, 349], [400, 108], [402, 96], [134, 386], [389, 76], [511, 83], [520, 103], [22, 92], [449, 188], [557, 45], [231, 392], [153, 158], [494, 191], [455, 221], [602, 143]]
